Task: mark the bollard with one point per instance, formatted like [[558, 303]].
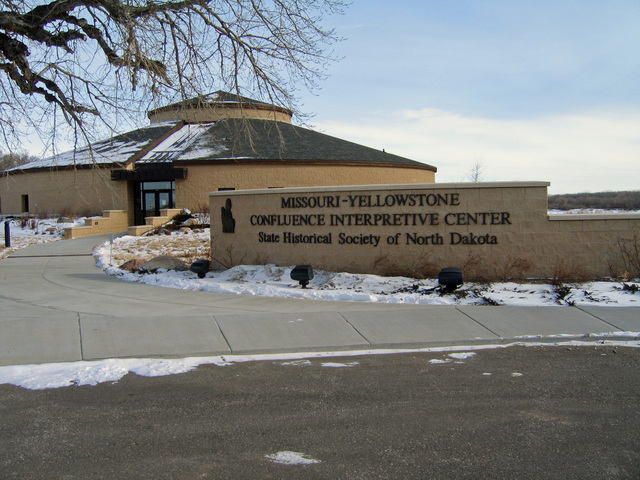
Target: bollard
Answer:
[[7, 234]]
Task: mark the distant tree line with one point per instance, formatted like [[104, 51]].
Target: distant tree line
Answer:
[[628, 200], [11, 160]]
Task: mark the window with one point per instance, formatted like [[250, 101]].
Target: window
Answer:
[[168, 185], [25, 203]]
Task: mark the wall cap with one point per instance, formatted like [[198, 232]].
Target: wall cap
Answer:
[[385, 188]]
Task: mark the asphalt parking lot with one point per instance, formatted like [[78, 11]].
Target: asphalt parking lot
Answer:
[[520, 412]]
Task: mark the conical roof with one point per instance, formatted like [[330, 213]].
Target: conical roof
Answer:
[[262, 141], [217, 105], [220, 128]]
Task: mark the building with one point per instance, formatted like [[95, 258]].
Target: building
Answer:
[[216, 142]]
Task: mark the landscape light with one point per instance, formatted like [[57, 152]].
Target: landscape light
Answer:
[[449, 279], [302, 274], [201, 267]]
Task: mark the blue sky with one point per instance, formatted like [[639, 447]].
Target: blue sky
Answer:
[[533, 90]]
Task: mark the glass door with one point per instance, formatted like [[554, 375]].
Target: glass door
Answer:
[[151, 197], [150, 204]]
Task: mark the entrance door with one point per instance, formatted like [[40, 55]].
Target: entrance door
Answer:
[[153, 197], [150, 204]]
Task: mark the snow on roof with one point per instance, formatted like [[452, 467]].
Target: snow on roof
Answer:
[[228, 139], [118, 149], [175, 144], [226, 97]]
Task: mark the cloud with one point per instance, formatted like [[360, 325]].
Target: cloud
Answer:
[[580, 152]]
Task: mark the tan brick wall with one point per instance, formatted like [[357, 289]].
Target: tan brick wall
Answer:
[[90, 191], [212, 114], [193, 192], [80, 191], [111, 221], [491, 230]]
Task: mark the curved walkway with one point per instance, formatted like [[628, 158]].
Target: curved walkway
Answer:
[[57, 306]]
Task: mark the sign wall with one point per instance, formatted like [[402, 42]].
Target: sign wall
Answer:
[[491, 230]]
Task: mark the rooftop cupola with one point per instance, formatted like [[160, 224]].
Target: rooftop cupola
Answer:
[[216, 106]]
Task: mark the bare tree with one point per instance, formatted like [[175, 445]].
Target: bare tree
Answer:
[[81, 63], [476, 171], [11, 160]]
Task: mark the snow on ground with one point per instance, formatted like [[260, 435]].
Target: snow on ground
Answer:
[[291, 458], [275, 281], [57, 375], [25, 232]]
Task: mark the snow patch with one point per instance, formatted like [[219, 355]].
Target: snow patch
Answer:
[[56, 375], [291, 458], [340, 365], [275, 281], [297, 363], [462, 355]]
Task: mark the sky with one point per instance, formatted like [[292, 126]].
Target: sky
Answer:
[[528, 90]]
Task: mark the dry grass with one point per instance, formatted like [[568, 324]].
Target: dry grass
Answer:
[[514, 268], [564, 271], [187, 247]]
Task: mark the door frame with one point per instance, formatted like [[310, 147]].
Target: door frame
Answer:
[[156, 188]]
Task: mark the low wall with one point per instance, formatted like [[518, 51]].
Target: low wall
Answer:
[[493, 231], [112, 221], [166, 214]]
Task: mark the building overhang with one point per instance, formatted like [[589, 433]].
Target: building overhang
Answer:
[[150, 174]]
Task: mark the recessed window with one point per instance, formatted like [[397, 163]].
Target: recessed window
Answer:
[[168, 185], [24, 200]]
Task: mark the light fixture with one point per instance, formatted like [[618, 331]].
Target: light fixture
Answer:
[[449, 279], [302, 274], [201, 267]]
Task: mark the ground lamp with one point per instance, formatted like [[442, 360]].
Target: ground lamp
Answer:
[[302, 274], [201, 267], [450, 279]]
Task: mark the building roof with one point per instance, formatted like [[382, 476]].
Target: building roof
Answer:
[[216, 104], [216, 97], [226, 140], [117, 150], [265, 140]]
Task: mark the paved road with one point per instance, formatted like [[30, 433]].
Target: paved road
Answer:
[[57, 306], [542, 413]]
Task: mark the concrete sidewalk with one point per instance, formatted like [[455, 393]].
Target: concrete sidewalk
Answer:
[[57, 306]]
